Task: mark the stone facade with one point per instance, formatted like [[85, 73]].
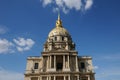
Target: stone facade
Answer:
[[59, 60]]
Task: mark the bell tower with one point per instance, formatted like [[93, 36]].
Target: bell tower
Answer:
[[59, 60]]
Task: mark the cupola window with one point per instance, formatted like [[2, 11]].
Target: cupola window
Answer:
[[55, 38], [62, 38]]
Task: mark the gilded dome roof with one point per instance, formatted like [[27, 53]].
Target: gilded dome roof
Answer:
[[58, 30]]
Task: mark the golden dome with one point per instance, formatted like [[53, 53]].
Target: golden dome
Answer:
[[58, 30]]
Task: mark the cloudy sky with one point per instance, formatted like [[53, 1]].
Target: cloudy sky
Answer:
[[93, 24]]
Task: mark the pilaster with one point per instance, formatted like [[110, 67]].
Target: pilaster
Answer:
[[54, 77], [77, 64], [69, 77], [63, 62], [49, 77], [55, 62], [68, 66], [78, 77], [64, 77], [50, 61]]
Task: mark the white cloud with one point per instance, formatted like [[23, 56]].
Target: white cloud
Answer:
[[10, 75], [3, 29], [59, 3], [67, 5], [95, 67], [73, 4], [19, 44], [23, 44], [65, 10], [6, 46], [46, 2], [88, 5]]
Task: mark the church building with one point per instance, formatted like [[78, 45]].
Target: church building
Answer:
[[59, 60]]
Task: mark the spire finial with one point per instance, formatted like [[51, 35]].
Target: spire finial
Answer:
[[58, 22], [58, 15]]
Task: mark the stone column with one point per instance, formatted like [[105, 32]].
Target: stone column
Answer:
[[29, 78], [50, 61], [64, 77], [55, 62], [40, 77], [63, 61], [49, 77], [88, 77], [76, 63], [78, 77], [68, 62], [69, 77], [54, 77]]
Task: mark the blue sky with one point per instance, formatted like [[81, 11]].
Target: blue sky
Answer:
[[93, 24]]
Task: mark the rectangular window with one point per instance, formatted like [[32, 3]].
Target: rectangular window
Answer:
[[36, 66], [62, 38], [59, 66], [52, 64], [82, 65], [55, 38]]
